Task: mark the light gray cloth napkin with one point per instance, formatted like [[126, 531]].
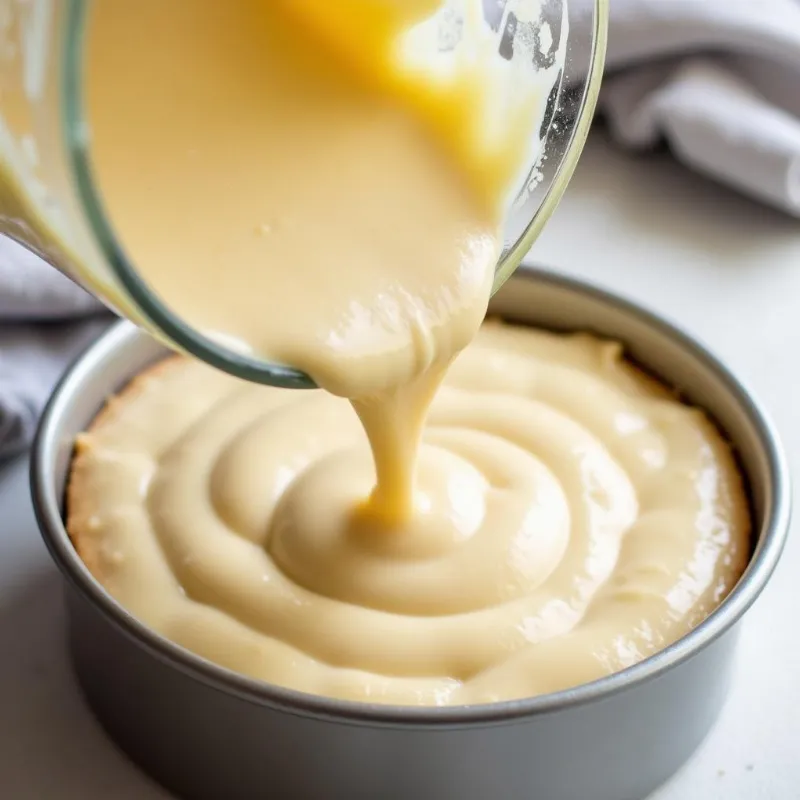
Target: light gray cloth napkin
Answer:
[[45, 320], [719, 80]]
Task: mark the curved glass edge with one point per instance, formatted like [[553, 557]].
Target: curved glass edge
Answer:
[[573, 149], [157, 315], [163, 322]]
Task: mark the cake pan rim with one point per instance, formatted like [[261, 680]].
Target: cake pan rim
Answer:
[[773, 528]]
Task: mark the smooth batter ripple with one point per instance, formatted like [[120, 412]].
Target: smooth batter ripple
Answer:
[[571, 517]]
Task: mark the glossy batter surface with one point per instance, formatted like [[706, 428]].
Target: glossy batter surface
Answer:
[[570, 518]]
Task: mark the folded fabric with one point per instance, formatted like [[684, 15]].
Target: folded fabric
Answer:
[[31, 290], [719, 80], [45, 320], [32, 358]]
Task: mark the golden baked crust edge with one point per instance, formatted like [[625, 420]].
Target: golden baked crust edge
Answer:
[[79, 502]]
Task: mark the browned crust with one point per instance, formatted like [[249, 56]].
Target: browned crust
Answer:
[[78, 497]]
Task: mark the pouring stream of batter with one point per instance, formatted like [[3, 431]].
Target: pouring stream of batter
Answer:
[[321, 199]]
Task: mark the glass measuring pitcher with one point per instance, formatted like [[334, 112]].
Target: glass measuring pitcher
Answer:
[[50, 203]]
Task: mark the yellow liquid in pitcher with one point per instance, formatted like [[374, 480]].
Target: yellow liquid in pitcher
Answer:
[[285, 178]]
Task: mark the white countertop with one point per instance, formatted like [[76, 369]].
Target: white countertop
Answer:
[[726, 269]]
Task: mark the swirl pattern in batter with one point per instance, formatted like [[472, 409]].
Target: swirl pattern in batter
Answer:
[[571, 518]]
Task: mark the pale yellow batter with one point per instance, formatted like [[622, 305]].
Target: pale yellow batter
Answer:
[[286, 176], [571, 519]]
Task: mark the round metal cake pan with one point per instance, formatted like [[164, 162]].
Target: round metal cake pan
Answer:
[[206, 733]]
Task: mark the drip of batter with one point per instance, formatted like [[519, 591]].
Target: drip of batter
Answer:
[[288, 177]]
